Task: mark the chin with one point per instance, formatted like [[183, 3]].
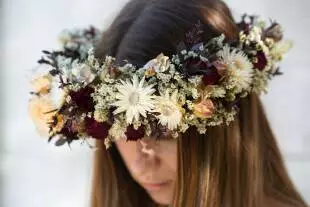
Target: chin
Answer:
[[161, 199], [161, 194]]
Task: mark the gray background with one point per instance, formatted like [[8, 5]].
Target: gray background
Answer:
[[34, 173]]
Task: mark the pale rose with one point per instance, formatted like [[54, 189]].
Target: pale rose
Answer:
[[204, 109], [159, 64], [39, 106], [83, 73], [280, 48], [42, 84]]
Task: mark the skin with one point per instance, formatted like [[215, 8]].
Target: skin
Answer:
[[152, 164]]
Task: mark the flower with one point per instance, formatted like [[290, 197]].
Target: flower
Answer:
[[211, 77], [83, 73], [239, 68], [161, 63], [42, 84], [133, 134], [260, 60], [41, 110], [194, 66], [82, 98], [134, 98], [150, 72], [170, 113], [96, 129], [280, 49], [204, 109]]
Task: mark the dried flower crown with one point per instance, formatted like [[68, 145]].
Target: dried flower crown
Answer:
[[199, 87]]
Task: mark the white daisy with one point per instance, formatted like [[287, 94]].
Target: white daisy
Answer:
[[239, 68], [134, 98], [167, 106]]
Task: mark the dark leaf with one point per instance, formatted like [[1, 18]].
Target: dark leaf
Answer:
[[274, 31], [54, 72], [42, 61], [60, 142], [46, 52]]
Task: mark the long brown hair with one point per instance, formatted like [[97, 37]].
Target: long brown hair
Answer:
[[238, 165]]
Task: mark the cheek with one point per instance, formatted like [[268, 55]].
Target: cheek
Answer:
[[167, 151]]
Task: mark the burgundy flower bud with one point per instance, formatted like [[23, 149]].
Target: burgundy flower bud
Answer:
[[194, 66], [82, 99], [96, 129], [133, 134], [260, 60], [211, 76]]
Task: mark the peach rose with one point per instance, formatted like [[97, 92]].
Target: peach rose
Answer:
[[41, 111], [42, 84], [204, 109]]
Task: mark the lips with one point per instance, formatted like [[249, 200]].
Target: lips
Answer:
[[156, 186]]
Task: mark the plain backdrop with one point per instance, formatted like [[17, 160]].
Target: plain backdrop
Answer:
[[36, 174]]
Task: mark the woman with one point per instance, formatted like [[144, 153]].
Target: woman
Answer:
[[232, 166], [166, 115]]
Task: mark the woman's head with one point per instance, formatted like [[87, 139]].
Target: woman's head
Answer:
[[233, 166]]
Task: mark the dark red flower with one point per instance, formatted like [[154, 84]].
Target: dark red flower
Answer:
[[133, 134], [82, 99], [96, 129], [211, 77], [261, 60], [195, 66]]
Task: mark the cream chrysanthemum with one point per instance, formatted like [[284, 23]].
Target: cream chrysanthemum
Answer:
[[42, 84], [280, 49], [41, 112], [170, 113], [239, 68], [134, 98]]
